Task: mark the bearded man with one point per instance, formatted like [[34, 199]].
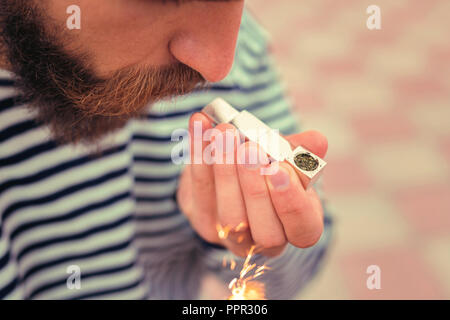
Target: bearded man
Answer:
[[87, 181]]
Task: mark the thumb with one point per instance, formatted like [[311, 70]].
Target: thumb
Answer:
[[311, 140]]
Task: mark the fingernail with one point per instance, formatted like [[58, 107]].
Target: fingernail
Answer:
[[280, 180], [253, 158]]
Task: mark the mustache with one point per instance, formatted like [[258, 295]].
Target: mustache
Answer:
[[131, 89], [84, 112]]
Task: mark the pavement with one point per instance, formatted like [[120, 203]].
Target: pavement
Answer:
[[382, 97]]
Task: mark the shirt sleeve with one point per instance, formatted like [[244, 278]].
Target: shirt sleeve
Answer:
[[8, 271]]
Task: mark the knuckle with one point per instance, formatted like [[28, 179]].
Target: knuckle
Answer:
[[307, 241], [286, 212], [270, 241], [294, 209], [257, 193], [207, 235], [233, 222], [241, 252], [224, 170], [203, 182]]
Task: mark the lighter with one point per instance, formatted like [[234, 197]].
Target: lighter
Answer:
[[278, 148]]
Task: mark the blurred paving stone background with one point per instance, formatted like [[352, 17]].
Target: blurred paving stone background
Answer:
[[382, 98]]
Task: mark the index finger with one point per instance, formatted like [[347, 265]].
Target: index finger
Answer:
[[202, 179]]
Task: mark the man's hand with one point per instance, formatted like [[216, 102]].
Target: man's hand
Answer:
[[264, 210]]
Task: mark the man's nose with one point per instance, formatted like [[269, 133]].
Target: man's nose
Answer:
[[207, 44]]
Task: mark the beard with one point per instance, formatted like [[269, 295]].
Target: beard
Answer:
[[60, 87]]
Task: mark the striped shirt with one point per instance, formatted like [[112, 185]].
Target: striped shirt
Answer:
[[114, 214]]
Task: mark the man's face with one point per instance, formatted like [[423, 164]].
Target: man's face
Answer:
[[128, 53]]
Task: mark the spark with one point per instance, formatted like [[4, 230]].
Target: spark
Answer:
[[240, 226], [223, 232], [232, 264], [243, 287]]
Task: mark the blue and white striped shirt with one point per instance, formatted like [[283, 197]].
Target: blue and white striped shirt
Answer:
[[115, 214]]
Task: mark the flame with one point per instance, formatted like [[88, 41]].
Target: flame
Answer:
[[249, 291], [244, 287]]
